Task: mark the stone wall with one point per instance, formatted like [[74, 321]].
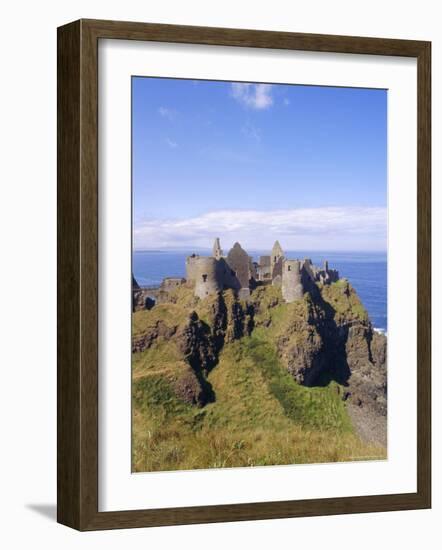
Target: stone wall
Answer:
[[145, 298], [170, 283], [239, 262]]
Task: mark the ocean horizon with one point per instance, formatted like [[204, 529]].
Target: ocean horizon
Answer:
[[366, 271]]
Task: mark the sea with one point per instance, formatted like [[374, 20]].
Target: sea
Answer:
[[366, 271]]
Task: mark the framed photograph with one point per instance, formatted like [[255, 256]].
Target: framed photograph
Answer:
[[243, 275]]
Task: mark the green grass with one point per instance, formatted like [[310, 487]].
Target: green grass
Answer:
[[344, 300], [318, 408], [261, 416]]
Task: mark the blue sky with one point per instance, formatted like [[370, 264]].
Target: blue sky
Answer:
[[256, 162]]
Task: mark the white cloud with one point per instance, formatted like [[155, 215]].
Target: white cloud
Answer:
[[254, 96], [167, 113], [328, 228], [172, 144]]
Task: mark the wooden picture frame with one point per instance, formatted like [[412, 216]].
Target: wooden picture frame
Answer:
[[78, 274]]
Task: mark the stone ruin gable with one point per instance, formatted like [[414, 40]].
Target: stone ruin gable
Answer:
[[217, 252], [276, 258], [239, 261], [135, 285], [277, 252]]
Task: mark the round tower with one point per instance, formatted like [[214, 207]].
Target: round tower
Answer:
[[205, 271], [292, 288]]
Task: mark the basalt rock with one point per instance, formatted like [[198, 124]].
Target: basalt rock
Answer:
[[158, 331], [327, 336], [191, 388], [196, 343]]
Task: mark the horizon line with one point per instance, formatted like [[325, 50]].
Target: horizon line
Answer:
[[180, 249]]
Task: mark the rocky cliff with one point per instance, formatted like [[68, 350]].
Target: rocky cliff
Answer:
[[325, 337]]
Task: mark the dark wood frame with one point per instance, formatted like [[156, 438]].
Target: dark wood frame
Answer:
[[77, 408]]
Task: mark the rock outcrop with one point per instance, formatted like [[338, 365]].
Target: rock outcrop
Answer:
[[323, 336]]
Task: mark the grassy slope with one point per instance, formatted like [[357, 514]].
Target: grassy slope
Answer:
[[261, 415]]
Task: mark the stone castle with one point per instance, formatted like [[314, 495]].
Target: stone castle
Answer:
[[238, 271]]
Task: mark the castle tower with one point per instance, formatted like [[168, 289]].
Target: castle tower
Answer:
[[292, 287], [207, 277], [276, 260], [277, 253], [191, 263], [217, 250]]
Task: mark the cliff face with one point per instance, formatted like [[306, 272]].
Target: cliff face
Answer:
[[326, 337], [198, 330], [322, 338]]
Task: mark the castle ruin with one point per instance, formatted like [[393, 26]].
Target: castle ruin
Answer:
[[239, 272]]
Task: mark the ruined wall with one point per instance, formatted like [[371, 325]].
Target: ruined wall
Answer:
[[227, 275], [326, 275], [277, 267], [309, 268], [292, 288], [147, 298], [263, 273], [239, 262], [170, 283]]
